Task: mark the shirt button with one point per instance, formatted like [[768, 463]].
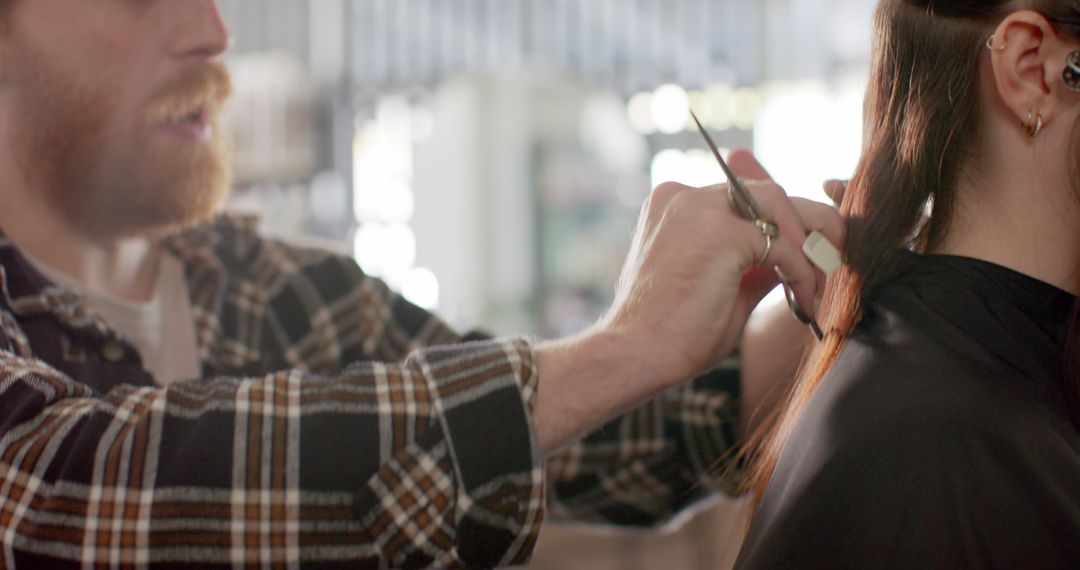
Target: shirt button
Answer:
[[113, 352]]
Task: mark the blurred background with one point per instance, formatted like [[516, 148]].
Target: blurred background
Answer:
[[488, 158]]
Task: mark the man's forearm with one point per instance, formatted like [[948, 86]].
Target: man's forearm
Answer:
[[587, 380]]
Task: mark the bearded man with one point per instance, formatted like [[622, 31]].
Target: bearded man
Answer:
[[175, 389]]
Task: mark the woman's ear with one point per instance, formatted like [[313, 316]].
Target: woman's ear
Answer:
[[1028, 57]]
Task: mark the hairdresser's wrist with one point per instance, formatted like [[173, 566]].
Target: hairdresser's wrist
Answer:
[[589, 379], [643, 357]]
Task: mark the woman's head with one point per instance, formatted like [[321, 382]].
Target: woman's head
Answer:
[[946, 113]]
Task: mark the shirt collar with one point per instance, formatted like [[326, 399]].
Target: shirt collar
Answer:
[[26, 292]]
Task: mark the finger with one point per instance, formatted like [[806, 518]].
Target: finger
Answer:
[[796, 269], [788, 259], [798, 216], [816, 216], [835, 190], [749, 242], [746, 167], [780, 209], [796, 223], [658, 203], [757, 282], [776, 206]]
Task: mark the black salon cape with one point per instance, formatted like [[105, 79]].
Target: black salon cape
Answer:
[[938, 439]]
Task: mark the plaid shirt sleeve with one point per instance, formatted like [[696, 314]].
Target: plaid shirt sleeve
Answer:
[[342, 458], [648, 465], [638, 470], [407, 466]]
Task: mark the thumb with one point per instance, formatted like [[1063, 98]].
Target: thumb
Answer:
[[746, 167], [757, 282], [835, 190]]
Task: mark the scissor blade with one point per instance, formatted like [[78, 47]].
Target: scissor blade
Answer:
[[712, 147], [744, 195]]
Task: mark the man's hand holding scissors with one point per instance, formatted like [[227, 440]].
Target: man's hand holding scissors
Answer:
[[696, 270]]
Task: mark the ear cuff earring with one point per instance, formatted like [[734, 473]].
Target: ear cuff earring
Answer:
[[1071, 76]]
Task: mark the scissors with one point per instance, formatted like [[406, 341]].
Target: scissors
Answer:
[[742, 200]]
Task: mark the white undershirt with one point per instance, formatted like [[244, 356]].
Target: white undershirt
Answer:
[[162, 329]]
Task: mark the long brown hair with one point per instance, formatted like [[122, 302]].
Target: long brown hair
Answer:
[[922, 118]]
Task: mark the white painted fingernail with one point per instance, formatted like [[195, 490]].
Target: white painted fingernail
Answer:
[[822, 253]]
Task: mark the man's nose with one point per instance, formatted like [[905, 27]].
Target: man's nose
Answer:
[[202, 32]]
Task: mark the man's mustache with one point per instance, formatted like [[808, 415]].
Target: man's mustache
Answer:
[[203, 90]]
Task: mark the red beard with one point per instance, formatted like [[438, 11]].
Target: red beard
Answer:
[[109, 183]]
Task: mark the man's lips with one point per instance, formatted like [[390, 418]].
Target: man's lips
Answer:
[[194, 127]]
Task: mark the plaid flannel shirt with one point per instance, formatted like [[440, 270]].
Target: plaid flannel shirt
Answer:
[[335, 424]]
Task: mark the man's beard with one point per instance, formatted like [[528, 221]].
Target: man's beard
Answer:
[[111, 183]]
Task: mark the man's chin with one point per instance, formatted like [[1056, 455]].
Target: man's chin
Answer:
[[159, 228], [137, 224], [149, 210]]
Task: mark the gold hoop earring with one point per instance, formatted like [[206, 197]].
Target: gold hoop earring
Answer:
[[990, 44], [1033, 127]]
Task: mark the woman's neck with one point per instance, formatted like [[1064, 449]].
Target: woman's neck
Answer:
[[1021, 218]]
